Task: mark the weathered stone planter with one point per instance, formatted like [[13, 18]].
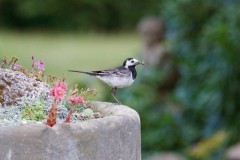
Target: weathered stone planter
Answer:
[[114, 137]]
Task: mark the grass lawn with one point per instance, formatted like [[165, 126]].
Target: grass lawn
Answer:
[[63, 51]]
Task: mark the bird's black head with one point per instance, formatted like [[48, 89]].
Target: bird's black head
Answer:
[[131, 62]]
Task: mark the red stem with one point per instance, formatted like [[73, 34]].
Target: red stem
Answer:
[[68, 118]]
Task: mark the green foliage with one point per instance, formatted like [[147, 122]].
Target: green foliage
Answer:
[[72, 14], [205, 44], [35, 112]]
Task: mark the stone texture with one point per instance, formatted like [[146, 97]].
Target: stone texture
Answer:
[[114, 137], [17, 89], [233, 153]]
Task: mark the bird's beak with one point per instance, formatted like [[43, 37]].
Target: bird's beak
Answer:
[[142, 63]]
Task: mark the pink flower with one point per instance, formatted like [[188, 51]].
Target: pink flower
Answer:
[[40, 65], [71, 100], [58, 93], [76, 100], [63, 85]]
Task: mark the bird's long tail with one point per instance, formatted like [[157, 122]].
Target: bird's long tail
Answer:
[[89, 73]]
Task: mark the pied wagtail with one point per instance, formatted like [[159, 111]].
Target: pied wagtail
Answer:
[[120, 77]]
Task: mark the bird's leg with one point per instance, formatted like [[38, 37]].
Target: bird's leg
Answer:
[[114, 90]]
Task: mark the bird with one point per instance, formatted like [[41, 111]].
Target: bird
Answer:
[[119, 77]]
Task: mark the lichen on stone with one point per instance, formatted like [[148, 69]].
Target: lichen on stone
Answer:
[[17, 89]]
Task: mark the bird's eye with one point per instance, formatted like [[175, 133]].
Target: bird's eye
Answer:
[[132, 61]]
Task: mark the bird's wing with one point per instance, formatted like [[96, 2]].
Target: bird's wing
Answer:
[[118, 72]]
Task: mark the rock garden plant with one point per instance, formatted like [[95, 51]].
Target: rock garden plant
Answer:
[[31, 96]]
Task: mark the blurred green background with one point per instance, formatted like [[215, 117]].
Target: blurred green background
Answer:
[[199, 118]]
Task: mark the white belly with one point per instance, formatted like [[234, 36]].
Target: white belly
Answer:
[[119, 82]]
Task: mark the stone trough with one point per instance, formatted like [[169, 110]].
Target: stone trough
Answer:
[[114, 137]]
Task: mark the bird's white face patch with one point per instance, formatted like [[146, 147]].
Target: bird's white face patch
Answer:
[[131, 62]]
